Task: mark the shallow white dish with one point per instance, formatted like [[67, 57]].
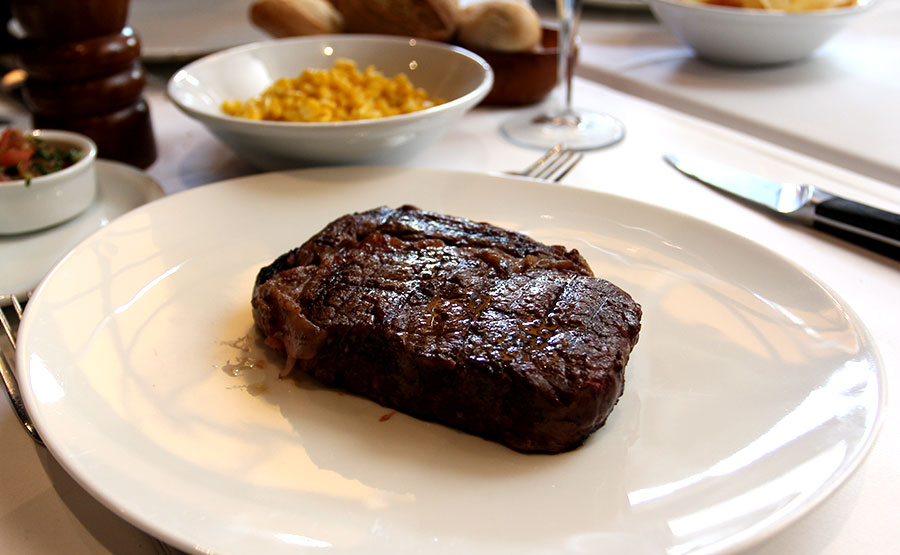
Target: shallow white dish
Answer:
[[29, 256], [752, 394], [460, 77], [172, 30], [50, 199], [748, 37], [618, 4]]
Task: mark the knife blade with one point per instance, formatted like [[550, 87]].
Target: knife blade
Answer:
[[864, 225]]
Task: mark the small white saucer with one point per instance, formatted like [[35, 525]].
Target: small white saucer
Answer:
[[27, 257]]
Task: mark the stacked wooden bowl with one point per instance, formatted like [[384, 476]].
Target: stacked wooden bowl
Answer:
[[85, 74]]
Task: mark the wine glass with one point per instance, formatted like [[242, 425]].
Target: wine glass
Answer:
[[576, 129]]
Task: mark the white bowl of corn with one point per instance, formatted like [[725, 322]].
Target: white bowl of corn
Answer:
[[331, 99]]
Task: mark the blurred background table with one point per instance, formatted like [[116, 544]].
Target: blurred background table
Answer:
[[661, 92], [840, 105]]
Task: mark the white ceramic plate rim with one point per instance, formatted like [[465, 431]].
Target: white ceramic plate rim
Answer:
[[65, 432]]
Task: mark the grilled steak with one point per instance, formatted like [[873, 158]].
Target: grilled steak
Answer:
[[462, 323]]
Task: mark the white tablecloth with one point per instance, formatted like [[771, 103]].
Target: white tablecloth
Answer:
[[839, 105], [42, 510]]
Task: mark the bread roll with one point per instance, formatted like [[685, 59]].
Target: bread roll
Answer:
[[499, 25], [428, 19], [291, 18]]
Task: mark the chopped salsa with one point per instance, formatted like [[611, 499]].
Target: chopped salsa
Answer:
[[25, 156]]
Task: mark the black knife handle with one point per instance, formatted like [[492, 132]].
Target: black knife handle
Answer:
[[868, 227]]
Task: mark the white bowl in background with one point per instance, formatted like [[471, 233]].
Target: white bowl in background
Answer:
[[53, 198], [745, 36], [452, 73]]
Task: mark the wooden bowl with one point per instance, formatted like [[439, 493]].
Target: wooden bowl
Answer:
[[522, 78]]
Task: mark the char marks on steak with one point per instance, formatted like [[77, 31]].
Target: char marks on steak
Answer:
[[458, 322]]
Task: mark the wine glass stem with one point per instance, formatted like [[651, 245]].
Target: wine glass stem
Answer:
[[568, 12]]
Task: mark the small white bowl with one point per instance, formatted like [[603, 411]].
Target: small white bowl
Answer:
[[452, 73], [745, 36], [53, 198]]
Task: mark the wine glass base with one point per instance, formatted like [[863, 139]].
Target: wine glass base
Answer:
[[575, 130]]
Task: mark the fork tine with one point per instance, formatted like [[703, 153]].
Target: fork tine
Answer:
[[7, 374], [561, 164], [17, 306], [7, 327], [553, 165], [571, 163], [540, 162]]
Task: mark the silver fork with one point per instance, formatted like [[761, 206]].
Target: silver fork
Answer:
[[553, 165], [7, 362]]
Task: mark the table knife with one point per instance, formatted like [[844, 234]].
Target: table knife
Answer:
[[861, 224]]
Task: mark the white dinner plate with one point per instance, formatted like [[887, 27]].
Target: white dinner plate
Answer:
[[752, 393], [173, 30], [27, 257]]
